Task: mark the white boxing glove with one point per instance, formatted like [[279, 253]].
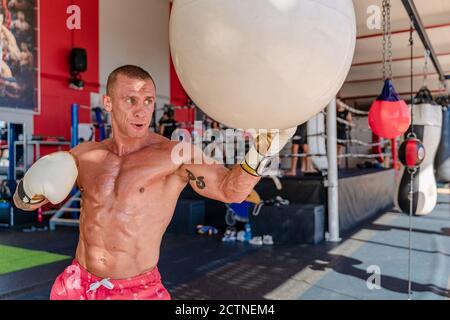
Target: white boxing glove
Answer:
[[265, 147], [51, 177]]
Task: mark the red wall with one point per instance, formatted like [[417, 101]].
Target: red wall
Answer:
[[179, 97], [55, 45], [56, 41]]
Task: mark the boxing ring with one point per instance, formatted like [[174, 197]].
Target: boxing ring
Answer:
[[363, 194], [350, 197], [347, 197]]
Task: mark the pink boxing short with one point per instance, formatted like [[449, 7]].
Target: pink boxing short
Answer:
[[76, 283]]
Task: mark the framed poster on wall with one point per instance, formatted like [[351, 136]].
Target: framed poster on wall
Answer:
[[19, 81]]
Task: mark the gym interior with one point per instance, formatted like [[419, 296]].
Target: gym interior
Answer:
[[356, 205]]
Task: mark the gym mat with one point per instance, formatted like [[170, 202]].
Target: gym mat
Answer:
[[15, 259]]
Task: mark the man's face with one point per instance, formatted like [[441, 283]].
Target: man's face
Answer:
[[21, 16], [131, 104]]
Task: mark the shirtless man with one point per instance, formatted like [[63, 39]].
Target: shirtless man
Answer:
[[130, 185]]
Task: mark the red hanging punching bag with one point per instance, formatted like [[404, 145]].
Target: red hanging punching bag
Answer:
[[389, 116]]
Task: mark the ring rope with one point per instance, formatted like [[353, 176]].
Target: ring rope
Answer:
[[348, 155], [353, 141], [353, 110]]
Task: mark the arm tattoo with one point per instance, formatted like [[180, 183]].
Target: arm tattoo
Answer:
[[199, 181]]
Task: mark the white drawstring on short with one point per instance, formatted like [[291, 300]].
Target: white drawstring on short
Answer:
[[105, 283]]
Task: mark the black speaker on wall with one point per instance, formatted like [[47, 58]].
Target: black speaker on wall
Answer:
[[78, 60]]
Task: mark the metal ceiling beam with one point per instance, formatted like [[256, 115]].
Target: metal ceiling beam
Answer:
[[373, 96], [420, 29], [416, 75], [378, 35], [366, 63]]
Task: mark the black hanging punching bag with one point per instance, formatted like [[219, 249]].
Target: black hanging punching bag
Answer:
[[442, 162], [427, 127]]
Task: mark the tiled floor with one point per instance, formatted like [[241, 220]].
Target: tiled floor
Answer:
[[201, 267]]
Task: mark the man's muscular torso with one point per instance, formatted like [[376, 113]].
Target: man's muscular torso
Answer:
[[127, 203], [130, 183]]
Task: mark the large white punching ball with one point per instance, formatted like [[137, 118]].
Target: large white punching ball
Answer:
[[427, 117], [269, 64]]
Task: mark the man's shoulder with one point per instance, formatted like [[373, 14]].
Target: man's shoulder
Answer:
[[85, 147], [161, 142]]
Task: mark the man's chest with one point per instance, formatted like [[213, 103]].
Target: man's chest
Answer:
[[106, 174]]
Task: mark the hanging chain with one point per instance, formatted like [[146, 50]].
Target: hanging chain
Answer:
[[384, 26], [387, 40], [442, 87], [389, 44], [412, 172], [411, 43], [425, 67]]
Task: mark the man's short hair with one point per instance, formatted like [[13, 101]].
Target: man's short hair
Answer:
[[130, 71]]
